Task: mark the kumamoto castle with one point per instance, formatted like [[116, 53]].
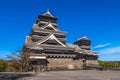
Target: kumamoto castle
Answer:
[[48, 50]]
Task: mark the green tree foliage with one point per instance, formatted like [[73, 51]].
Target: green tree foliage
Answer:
[[10, 65], [3, 65], [14, 65], [109, 63]]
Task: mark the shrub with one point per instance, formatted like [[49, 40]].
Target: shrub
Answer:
[[15, 65], [3, 65]]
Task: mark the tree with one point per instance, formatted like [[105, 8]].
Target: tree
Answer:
[[3, 65], [14, 64], [22, 58], [25, 61], [14, 56], [109, 63]]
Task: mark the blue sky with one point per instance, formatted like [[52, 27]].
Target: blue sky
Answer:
[[99, 20]]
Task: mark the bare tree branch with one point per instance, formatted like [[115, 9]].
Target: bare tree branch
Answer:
[[22, 58]]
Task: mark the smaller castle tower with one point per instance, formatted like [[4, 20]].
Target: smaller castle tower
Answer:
[[83, 43]]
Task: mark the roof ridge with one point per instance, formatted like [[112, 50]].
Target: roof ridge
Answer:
[[48, 13], [49, 25], [50, 36]]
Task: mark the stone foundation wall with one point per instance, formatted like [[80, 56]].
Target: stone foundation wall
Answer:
[[92, 62], [64, 63]]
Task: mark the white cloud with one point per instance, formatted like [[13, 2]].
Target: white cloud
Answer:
[[101, 45], [3, 54], [112, 50]]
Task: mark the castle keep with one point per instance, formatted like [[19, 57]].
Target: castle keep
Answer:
[[48, 50]]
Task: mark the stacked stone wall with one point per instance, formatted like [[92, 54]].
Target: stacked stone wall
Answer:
[[92, 62], [64, 63]]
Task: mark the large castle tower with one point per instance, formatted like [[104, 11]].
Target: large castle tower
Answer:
[[47, 46]]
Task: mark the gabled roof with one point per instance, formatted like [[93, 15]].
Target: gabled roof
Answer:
[[84, 37], [52, 37], [49, 25], [47, 13]]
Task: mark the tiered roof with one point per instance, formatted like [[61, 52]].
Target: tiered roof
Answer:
[[45, 36]]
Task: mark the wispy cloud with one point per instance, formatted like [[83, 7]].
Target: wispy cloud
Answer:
[[112, 50], [101, 45], [3, 54]]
